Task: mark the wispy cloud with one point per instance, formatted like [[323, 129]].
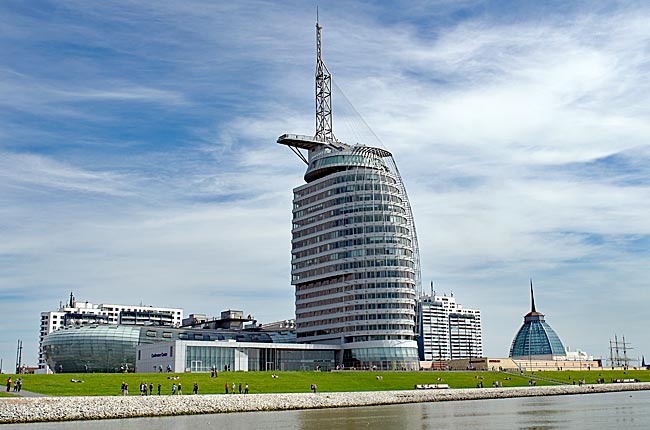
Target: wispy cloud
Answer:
[[138, 155]]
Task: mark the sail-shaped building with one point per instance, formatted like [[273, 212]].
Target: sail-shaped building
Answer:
[[355, 264]]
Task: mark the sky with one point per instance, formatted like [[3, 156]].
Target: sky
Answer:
[[139, 163]]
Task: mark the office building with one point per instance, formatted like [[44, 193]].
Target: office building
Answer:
[[447, 331], [355, 264]]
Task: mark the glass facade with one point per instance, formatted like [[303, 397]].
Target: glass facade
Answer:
[[202, 358], [110, 347], [392, 358], [97, 348], [354, 256], [205, 358], [535, 338]]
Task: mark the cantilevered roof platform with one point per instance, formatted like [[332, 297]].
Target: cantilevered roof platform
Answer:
[[300, 141]]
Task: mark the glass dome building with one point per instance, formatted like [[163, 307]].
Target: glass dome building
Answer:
[[95, 348], [112, 347], [536, 339]]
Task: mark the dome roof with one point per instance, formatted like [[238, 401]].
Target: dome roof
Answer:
[[535, 337]]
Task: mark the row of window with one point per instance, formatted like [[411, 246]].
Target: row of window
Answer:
[[365, 230], [369, 240], [313, 289], [342, 299], [404, 306], [386, 218], [342, 178], [348, 199], [346, 160], [350, 266], [346, 210], [360, 328], [355, 253]]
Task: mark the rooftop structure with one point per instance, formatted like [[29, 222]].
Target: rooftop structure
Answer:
[[536, 339], [355, 261]]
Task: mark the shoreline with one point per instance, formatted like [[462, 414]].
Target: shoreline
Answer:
[[49, 409]]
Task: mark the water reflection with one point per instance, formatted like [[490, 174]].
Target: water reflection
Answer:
[[612, 410]]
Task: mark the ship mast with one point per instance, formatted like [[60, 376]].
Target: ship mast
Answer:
[[323, 94]]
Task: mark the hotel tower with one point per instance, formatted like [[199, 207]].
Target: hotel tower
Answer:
[[355, 263]]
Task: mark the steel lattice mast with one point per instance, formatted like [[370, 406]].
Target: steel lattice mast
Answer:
[[324, 131]]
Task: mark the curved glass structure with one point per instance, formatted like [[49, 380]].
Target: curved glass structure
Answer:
[[112, 347], [535, 338], [354, 257], [102, 348]]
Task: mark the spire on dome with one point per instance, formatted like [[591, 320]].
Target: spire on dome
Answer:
[[532, 297]]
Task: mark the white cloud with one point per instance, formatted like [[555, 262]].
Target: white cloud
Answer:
[[493, 125]]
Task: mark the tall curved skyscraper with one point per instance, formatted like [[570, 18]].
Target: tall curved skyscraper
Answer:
[[355, 261]]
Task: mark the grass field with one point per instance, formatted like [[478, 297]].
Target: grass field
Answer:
[[107, 384]]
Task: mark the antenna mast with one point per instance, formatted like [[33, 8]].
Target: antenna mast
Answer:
[[323, 94]]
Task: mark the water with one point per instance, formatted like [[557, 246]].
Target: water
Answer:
[[623, 410]]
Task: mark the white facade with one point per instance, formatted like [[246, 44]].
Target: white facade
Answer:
[[447, 330], [185, 356], [76, 313]]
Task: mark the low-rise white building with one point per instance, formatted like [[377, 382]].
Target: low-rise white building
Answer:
[[194, 356]]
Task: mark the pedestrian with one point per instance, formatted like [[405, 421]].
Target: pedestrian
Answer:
[[233, 388], [313, 388], [226, 387], [159, 389], [173, 389], [240, 388], [180, 389], [8, 384], [246, 389], [196, 388], [150, 388], [20, 384], [85, 368]]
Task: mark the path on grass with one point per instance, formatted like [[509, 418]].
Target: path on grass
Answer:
[[25, 393]]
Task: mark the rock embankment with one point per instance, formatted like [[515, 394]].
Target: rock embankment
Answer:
[[20, 410]]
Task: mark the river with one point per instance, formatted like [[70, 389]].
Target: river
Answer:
[[621, 410]]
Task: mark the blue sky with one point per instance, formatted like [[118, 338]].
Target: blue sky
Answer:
[[138, 160]]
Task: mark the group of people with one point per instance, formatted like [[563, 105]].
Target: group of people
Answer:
[[144, 387], [231, 388], [147, 389], [17, 384]]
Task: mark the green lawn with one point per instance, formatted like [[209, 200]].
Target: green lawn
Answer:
[[100, 384]]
